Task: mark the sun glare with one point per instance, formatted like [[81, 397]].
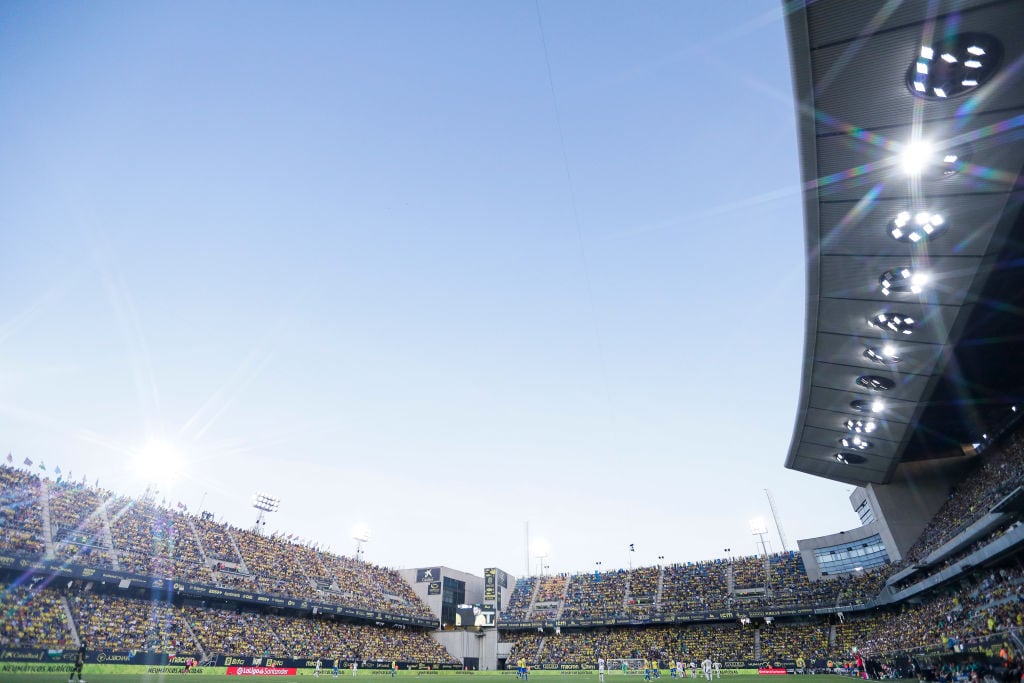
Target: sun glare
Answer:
[[158, 462]]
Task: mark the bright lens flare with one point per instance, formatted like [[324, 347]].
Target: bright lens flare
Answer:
[[158, 462], [916, 156]]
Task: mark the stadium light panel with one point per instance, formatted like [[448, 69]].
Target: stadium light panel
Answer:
[[883, 355], [893, 322], [860, 426], [855, 441], [875, 383], [922, 225], [867, 406], [265, 502], [902, 280], [965, 62]]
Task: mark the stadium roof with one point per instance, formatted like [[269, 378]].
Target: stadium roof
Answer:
[[911, 127]]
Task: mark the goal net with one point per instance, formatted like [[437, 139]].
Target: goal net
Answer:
[[627, 665]]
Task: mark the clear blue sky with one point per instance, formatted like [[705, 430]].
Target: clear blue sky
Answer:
[[363, 256]]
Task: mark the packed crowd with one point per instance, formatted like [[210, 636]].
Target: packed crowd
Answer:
[[961, 616], [31, 618], [524, 644], [1001, 470], [115, 623], [225, 632], [860, 587], [21, 521], [93, 527], [77, 524], [777, 581], [215, 540], [551, 588], [790, 640], [597, 595], [661, 643], [276, 568], [519, 603], [695, 587], [154, 541], [328, 639], [372, 587]]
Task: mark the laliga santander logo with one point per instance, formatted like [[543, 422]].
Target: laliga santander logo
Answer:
[[259, 671]]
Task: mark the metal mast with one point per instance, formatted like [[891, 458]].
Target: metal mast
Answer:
[[775, 516]]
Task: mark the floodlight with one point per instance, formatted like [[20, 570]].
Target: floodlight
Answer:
[[860, 426], [965, 62], [265, 502], [849, 458], [899, 323], [875, 383], [920, 158], [922, 225], [867, 406], [902, 280], [884, 355], [855, 441], [758, 526], [916, 156], [361, 533]]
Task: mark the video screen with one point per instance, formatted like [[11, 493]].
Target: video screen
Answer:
[[474, 615]]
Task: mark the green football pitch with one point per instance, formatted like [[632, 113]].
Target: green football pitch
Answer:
[[409, 677]]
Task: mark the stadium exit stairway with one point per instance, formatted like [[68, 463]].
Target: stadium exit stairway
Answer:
[[661, 589], [540, 648], [108, 536], [69, 619], [533, 597], [199, 644], [561, 601], [44, 507]]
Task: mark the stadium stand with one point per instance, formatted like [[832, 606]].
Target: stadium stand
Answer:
[[1000, 471], [77, 524], [520, 600], [21, 521], [642, 594], [596, 595], [661, 643], [99, 529], [695, 587], [122, 624], [31, 619], [780, 640], [232, 633], [551, 588], [154, 541], [92, 527], [525, 644], [216, 541]]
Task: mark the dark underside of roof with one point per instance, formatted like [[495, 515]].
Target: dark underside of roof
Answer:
[[961, 368], [986, 373]]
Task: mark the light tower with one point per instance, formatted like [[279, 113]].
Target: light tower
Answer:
[[361, 535], [759, 528], [265, 503]]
